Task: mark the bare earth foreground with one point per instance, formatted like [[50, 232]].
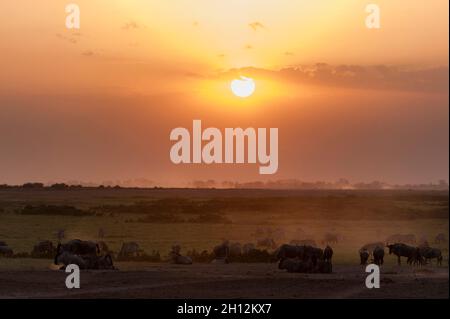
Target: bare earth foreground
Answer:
[[227, 281]]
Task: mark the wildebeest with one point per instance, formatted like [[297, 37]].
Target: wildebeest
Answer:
[[401, 238], [43, 249], [378, 255], [2, 243], [364, 256], [79, 247], [440, 238], [130, 250], [327, 254], [403, 250], [6, 251], [429, 253]]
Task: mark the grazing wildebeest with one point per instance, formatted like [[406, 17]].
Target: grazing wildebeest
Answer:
[[378, 255], [43, 249], [130, 250], [403, 250], [401, 238], [331, 238], [364, 256], [79, 247], [303, 242], [440, 238], [430, 253], [327, 254], [5, 251]]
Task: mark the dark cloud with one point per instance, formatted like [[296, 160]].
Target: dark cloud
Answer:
[[357, 76]]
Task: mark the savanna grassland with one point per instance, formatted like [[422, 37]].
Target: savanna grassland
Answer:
[[200, 219]]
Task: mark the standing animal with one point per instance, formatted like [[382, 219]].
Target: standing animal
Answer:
[[79, 247], [402, 250], [429, 253], [5, 251], [364, 256], [378, 255], [327, 254]]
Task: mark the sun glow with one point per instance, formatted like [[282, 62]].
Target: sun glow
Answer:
[[243, 87]]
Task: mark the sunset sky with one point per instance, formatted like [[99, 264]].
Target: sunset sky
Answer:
[[98, 104]]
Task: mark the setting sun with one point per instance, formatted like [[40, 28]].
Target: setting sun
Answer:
[[243, 87]]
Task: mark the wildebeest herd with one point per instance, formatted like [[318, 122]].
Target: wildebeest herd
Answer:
[[301, 256]]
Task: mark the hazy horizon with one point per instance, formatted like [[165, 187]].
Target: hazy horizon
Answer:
[[98, 104]]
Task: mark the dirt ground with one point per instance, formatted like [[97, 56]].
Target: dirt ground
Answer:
[[227, 281]]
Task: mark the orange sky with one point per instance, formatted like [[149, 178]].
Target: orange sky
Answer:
[[98, 103]]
